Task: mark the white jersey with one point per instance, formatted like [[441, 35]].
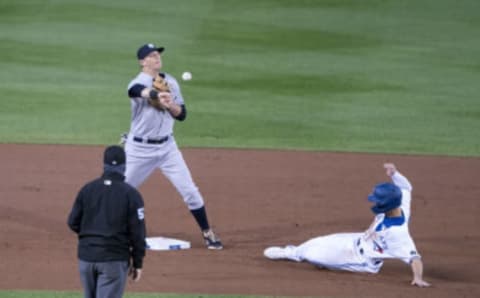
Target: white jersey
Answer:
[[386, 238], [146, 121], [390, 237]]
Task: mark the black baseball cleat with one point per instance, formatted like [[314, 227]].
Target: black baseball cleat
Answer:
[[211, 240]]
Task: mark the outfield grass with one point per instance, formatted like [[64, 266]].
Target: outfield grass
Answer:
[[371, 75]]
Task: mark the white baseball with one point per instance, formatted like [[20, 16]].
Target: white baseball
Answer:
[[186, 76]]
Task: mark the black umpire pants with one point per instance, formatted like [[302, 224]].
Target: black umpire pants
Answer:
[[103, 279]]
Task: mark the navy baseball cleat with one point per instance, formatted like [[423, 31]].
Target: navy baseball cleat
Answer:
[[211, 240]]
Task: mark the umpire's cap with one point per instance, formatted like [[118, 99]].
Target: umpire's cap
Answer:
[[114, 156], [146, 49], [386, 196]]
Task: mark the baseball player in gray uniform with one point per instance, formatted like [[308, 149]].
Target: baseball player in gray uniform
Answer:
[[150, 143], [387, 237]]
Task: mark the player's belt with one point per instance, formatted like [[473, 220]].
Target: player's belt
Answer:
[[151, 141]]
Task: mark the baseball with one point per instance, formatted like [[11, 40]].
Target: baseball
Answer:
[[186, 76]]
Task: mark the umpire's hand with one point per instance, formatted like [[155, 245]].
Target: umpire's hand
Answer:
[[136, 273]]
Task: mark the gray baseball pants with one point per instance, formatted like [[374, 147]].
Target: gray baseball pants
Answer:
[[103, 279]]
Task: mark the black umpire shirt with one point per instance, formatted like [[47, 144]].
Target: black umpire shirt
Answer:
[[108, 216]]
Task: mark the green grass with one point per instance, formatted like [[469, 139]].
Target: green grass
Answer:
[[368, 76], [336, 75]]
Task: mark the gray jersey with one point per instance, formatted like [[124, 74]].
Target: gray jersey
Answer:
[[146, 121]]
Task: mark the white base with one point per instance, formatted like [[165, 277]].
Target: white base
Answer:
[[163, 243]]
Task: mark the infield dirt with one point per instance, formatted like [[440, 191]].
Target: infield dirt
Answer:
[[255, 199]]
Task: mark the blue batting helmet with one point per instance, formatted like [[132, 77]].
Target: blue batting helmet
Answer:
[[386, 196]]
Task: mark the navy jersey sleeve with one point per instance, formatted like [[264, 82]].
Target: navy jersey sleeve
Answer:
[[136, 90], [136, 228], [183, 113]]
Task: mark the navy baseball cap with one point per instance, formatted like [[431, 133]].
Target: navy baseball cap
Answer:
[[146, 49], [114, 156]]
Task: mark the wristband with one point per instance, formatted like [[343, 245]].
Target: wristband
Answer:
[[153, 94]]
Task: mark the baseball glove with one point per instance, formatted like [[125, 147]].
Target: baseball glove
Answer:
[[160, 85]]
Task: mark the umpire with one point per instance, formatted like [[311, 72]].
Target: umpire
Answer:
[[108, 216]]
